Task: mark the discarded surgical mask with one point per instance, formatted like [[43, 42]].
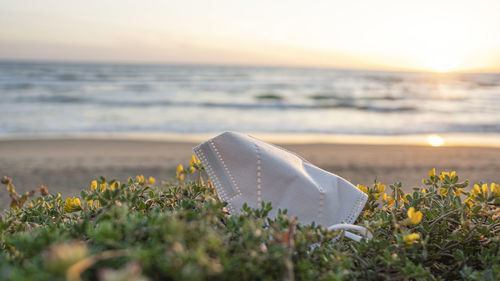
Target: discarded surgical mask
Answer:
[[247, 170]]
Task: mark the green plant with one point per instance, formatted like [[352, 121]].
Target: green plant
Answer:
[[180, 230]]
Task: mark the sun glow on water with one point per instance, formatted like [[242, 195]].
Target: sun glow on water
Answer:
[[435, 140]]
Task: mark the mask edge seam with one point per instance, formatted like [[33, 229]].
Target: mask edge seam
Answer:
[[211, 175], [358, 207], [228, 172], [259, 174]]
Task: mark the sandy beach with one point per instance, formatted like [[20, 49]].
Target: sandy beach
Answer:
[[68, 165]]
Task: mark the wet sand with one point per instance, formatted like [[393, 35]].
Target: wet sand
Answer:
[[68, 165]]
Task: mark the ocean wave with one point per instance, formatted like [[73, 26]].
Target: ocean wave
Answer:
[[84, 97], [384, 79], [320, 97], [67, 77], [277, 104], [52, 99], [387, 109], [487, 84], [269, 96], [138, 87], [17, 86], [474, 128]]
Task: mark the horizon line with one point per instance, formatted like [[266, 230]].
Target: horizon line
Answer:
[[177, 63]]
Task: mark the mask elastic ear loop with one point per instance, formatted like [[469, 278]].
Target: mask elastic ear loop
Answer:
[[344, 226], [361, 230]]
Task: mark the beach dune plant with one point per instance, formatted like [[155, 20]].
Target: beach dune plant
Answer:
[[180, 230]]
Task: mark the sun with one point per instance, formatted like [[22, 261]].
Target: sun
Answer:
[[441, 60], [443, 63], [441, 45], [443, 67]]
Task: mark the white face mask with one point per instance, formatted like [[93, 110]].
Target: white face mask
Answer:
[[246, 170]]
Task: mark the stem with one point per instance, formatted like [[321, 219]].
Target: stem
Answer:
[[199, 177]]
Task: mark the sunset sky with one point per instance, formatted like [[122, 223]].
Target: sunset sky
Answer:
[[387, 34]]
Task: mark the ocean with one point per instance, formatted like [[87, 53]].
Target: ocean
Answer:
[[72, 99]]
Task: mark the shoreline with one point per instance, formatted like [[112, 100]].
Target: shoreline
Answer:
[[68, 165], [449, 139]]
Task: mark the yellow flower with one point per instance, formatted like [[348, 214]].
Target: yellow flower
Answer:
[[480, 189], [193, 161], [468, 201], [495, 188], [432, 172], [72, 205], [380, 187], [443, 175], [451, 175], [410, 238], [362, 188], [458, 192], [476, 190], [58, 195], [191, 169], [112, 186], [140, 178], [484, 188], [93, 185], [387, 199], [403, 198], [118, 184], [414, 216], [179, 173], [89, 203], [443, 191], [152, 180], [103, 186], [424, 191]]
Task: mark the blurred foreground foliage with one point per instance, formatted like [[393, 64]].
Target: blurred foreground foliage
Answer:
[[180, 230]]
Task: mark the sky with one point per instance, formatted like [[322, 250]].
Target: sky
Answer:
[[422, 35]]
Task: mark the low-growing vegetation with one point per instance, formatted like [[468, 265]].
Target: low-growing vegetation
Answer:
[[144, 230]]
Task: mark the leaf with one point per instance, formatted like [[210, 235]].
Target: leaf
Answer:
[[142, 206]]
